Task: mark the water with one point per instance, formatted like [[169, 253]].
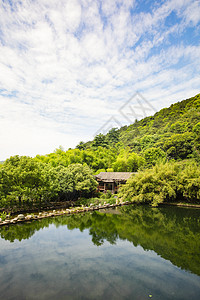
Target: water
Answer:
[[134, 252]]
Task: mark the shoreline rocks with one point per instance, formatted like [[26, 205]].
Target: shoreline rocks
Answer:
[[75, 210]]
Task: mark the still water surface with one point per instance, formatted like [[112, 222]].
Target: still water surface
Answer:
[[134, 252]]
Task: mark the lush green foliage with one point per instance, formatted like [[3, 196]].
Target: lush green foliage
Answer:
[[98, 158], [172, 133], [25, 180], [174, 130], [100, 199], [165, 182]]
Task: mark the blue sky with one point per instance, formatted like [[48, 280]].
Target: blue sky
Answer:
[[67, 67]]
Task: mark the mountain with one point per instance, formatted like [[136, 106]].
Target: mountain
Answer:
[[154, 131], [172, 133]]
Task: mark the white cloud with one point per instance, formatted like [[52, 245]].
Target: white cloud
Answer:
[[67, 66], [72, 15], [192, 13]]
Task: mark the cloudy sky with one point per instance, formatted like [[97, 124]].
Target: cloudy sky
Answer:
[[67, 67]]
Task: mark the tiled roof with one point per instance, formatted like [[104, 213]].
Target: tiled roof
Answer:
[[113, 176]]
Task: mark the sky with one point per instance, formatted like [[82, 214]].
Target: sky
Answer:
[[70, 69]]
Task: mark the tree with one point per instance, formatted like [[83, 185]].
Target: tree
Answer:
[[153, 186], [179, 127], [75, 181], [189, 182], [99, 140], [179, 146], [128, 162], [196, 130], [153, 155], [164, 182], [21, 177], [112, 136], [81, 146]]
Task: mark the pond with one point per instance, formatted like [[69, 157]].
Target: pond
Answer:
[[132, 252]]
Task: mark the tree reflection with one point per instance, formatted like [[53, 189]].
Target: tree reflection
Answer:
[[172, 232]]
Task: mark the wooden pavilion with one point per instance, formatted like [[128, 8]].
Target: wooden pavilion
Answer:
[[111, 181]]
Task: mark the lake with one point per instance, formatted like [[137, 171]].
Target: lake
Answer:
[[130, 252]]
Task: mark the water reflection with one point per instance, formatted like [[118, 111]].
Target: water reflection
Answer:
[[173, 233]]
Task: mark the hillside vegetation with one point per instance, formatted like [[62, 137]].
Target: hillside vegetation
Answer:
[[169, 140], [174, 130], [172, 133]]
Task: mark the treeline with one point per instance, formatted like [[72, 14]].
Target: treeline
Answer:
[[100, 159], [26, 182]]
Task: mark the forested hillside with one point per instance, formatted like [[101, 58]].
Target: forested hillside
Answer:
[[175, 130], [170, 138], [172, 133]]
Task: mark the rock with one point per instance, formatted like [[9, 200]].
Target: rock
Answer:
[[6, 221], [14, 220], [21, 217], [28, 217]]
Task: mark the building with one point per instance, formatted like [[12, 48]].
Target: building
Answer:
[[111, 181]]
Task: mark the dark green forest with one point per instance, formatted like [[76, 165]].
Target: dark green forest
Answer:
[[164, 149]]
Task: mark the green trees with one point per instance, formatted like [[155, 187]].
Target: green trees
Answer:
[[25, 181], [164, 183], [179, 146], [128, 162], [189, 182], [172, 133], [96, 158], [81, 145], [20, 179], [99, 140], [153, 155], [196, 130], [168, 126], [75, 181], [179, 127], [112, 136]]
